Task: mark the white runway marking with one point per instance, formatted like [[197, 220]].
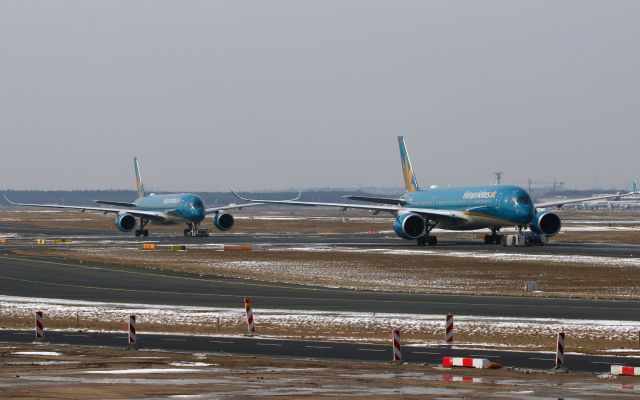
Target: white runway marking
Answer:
[[220, 341], [371, 350], [175, 340], [319, 347], [269, 344]]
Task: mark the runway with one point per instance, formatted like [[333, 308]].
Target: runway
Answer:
[[63, 279], [257, 346]]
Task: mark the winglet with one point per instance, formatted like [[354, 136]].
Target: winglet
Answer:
[[139, 184], [246, 199], [9, 201], [238, 196], [410, 182]]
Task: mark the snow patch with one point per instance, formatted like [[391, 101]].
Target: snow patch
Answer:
[[37, 353]]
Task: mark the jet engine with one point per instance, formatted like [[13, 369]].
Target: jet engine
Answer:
[[125, 222], [223, 221], [546, 222], [409, 226]]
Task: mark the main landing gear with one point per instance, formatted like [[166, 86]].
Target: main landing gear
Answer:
[[426, 238], [494, 238], [142, 232]]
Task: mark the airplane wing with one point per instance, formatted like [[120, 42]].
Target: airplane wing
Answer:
[[560, 203], [105, 210], [230, 207], [431, 214], [381, 200], [241, 206], [115, 203]]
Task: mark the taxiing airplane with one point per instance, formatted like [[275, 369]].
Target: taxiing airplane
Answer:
[[418, 212], [166, 209]]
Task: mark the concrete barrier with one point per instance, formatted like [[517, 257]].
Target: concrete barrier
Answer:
[[625, 370], [465, 362]]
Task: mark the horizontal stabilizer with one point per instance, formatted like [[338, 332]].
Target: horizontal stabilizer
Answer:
[[379, 200]]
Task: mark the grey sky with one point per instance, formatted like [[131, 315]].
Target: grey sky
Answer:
[[281, 94]]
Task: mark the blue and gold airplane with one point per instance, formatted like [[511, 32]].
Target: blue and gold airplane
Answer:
[[418, 211], [164, 209]]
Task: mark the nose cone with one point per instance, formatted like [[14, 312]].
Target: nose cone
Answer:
[[194, 209], [525, 213]]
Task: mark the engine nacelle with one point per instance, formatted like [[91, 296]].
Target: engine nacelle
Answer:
[[223, 221], [125, 222], [409, 226], [546, 222]]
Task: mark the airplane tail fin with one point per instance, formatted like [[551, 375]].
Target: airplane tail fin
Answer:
[[634, 186], [410, 182], [139, 184]]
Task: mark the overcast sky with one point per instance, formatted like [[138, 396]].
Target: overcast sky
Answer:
[[285, 94]]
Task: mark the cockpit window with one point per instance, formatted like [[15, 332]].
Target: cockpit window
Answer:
[[521, 200], [198, 203]]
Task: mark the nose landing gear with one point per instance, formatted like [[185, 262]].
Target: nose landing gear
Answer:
[[194, 231]]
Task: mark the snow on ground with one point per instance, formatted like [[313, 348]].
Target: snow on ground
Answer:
[[351, 326], [141, 371], [497, 256], [38, 353]]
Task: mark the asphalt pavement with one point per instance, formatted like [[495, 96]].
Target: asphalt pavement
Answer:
[[265, 347]]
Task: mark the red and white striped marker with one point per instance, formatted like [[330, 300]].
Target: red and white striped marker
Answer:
[[251, 326], [625, 370], [39, 325], [448, 330], [560, 350], [132, 329], [395, 337], [465, 362]]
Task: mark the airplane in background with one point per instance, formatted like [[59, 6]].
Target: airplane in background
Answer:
[[418, 212], [164, 209]]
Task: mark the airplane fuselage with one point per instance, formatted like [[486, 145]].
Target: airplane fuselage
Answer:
[[483, 206], [178, 208]]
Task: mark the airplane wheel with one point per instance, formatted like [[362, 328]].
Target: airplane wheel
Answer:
[[186, 232], [432, 240], [137, 233], [422, 240], [487, 239], [145, 233]]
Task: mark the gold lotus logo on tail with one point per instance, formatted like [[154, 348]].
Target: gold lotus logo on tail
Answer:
[[410, 183], [408, 177]]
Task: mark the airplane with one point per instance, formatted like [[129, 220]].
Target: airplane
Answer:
[[163, 209], [419, 211]]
